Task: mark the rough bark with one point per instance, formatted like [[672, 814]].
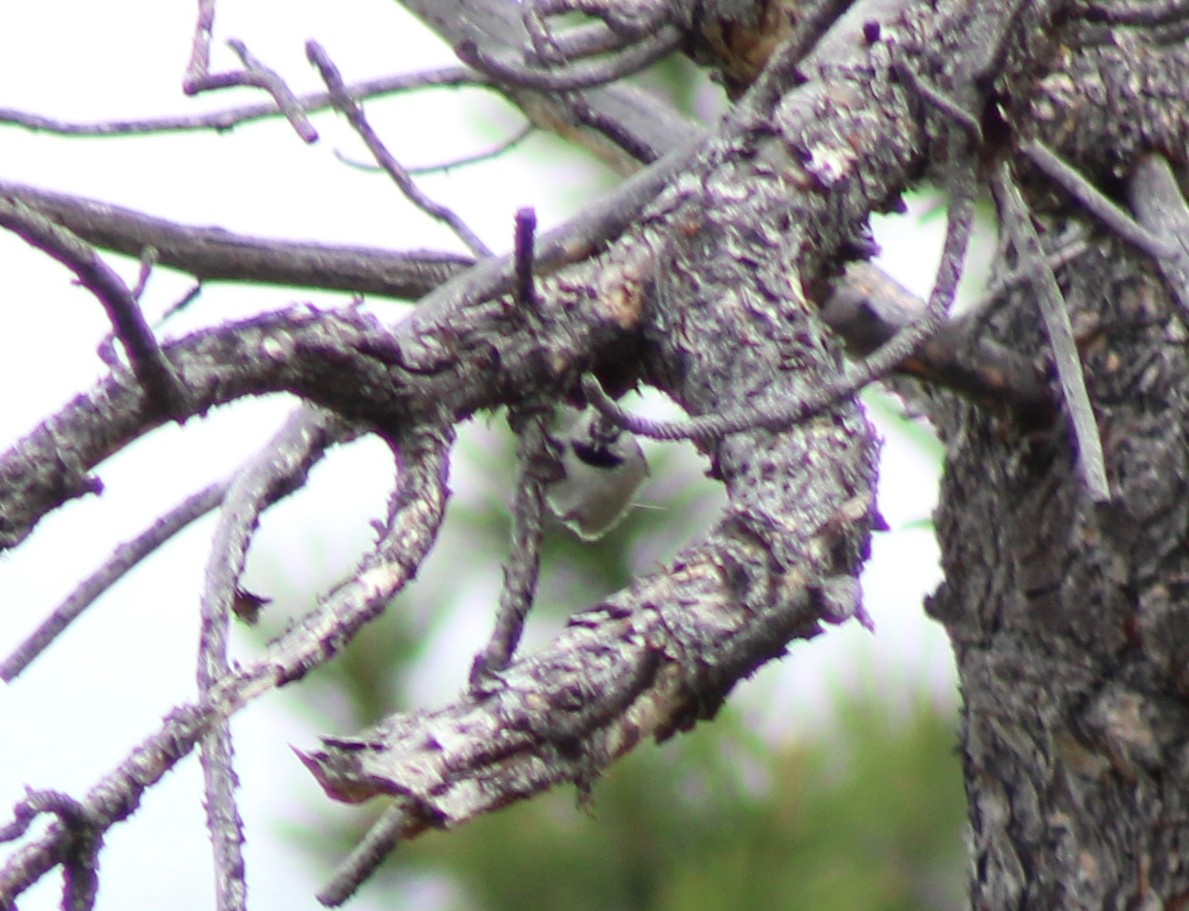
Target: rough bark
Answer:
[[1066, 615], [1069, 619]]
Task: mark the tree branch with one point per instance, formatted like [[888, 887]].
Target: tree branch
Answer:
[[415, 515], [123, 310], [1156, 197], [219, 121], [733, 246], [281, 465], [213, 253], [391, 378], [354, 114], [124, 558]]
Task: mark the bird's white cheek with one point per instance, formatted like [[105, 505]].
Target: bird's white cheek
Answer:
[[591, 501]]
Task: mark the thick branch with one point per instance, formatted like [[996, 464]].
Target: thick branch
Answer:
[[390, 378], [214, 253], [735, 242]]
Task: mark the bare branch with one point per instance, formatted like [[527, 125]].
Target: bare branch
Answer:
[[1018, 222], [868, 309], [213, 253], [200, 48], [280, 466], [446, 77], [200, 79], [524, 556], [523, 254], [449, 362], [121, 305], [589, 75], [1113, 217], [393, 826], [537, 465], [569, 243], [123, 558], [415, 515], [622, 124], [271, 81], [639, 665], [461, 161], [354, 114]]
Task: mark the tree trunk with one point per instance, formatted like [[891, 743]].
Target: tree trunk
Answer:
[[1068, 617]]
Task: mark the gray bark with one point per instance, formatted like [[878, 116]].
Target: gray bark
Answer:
[[1069, 619], [1066, 614]]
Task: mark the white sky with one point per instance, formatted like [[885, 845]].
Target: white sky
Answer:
[[106, 684]]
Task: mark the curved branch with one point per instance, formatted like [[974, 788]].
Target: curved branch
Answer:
[[728, 324], [279, 466], [389, 377], [118, 300], [415, 515]]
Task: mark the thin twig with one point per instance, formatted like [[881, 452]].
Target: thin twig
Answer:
[[577, 76], [270, 80], [148, 259], [446, 77], [200, 48], [450, 164], [568, 243], [1065, 250], [356, 868], [1092, 200], [533, 456], [417, 509], [199, 78], [123, 558], [182, 303], [524, 556], [781, 411], [943, 103], [477, 157], [354, 114], [524, 254], [96, 276], [1017, 221]]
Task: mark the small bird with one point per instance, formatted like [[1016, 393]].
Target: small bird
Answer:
[[604, 467]]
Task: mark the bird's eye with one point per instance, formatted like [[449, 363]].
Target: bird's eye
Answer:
[[596, 456]]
